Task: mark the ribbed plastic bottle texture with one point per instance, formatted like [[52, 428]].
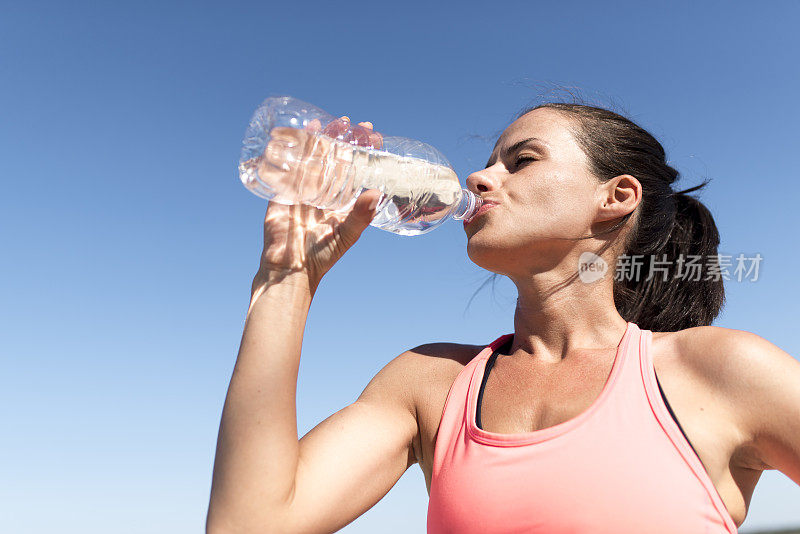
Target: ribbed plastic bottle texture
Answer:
[[293, 153]]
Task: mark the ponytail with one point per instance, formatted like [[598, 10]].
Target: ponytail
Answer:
[[670, 300]]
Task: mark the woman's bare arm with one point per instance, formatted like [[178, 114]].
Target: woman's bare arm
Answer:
[[265, 480]]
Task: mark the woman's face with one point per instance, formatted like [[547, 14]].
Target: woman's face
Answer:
[[540, 178]]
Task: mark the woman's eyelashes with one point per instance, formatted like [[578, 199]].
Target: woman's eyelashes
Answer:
[[522, 160], [518, 162]]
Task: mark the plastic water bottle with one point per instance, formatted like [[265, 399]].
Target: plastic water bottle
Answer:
[[293, 153]]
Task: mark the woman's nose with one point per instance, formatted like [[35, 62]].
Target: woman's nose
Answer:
[[481, 181]]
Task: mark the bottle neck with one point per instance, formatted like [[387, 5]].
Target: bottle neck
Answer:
[[467, 206]]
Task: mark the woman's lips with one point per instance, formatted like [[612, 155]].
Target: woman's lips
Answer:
[[483, 209]]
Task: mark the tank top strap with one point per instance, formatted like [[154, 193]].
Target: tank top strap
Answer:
[[629, 394], [660, 410], [629, 375], [456, 403]]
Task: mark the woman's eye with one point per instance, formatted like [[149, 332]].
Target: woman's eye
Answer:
[[523, 159]]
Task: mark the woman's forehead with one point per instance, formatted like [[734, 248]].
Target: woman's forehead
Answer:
[[548, 126]]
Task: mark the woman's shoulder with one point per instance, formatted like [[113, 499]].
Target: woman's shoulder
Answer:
[[429, 370], [434, 360], [422, 371], [756, 380], [432, 369], [712, 345], [723, 358]]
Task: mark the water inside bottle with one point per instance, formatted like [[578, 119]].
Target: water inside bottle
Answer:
[[300, 166]]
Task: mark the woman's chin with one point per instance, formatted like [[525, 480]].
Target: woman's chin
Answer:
[[485, 255]]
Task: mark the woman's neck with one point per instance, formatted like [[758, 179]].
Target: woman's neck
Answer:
[[552, 317]]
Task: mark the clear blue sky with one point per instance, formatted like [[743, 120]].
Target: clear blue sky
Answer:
[[129, 244]]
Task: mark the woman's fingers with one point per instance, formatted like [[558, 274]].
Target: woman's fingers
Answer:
[[375, 140], [361, 134], [367, 137], [314, 125], [337, 128]]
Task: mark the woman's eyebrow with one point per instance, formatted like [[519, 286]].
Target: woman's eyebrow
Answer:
[[516, 146]]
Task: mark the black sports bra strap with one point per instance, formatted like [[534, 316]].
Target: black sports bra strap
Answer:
[[489, 364], [669, 408]]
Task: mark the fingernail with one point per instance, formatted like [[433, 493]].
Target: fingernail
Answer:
[[373, 204]]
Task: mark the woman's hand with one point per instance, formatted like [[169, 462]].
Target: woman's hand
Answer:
[[308, 241]]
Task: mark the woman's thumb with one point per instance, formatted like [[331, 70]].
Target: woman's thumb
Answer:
[[360, 216]]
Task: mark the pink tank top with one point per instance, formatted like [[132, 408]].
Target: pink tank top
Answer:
[[621, 466]]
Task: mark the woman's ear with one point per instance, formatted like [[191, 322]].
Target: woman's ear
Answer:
[[618, 197]]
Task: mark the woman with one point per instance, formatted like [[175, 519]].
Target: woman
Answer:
[[562, 426]]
